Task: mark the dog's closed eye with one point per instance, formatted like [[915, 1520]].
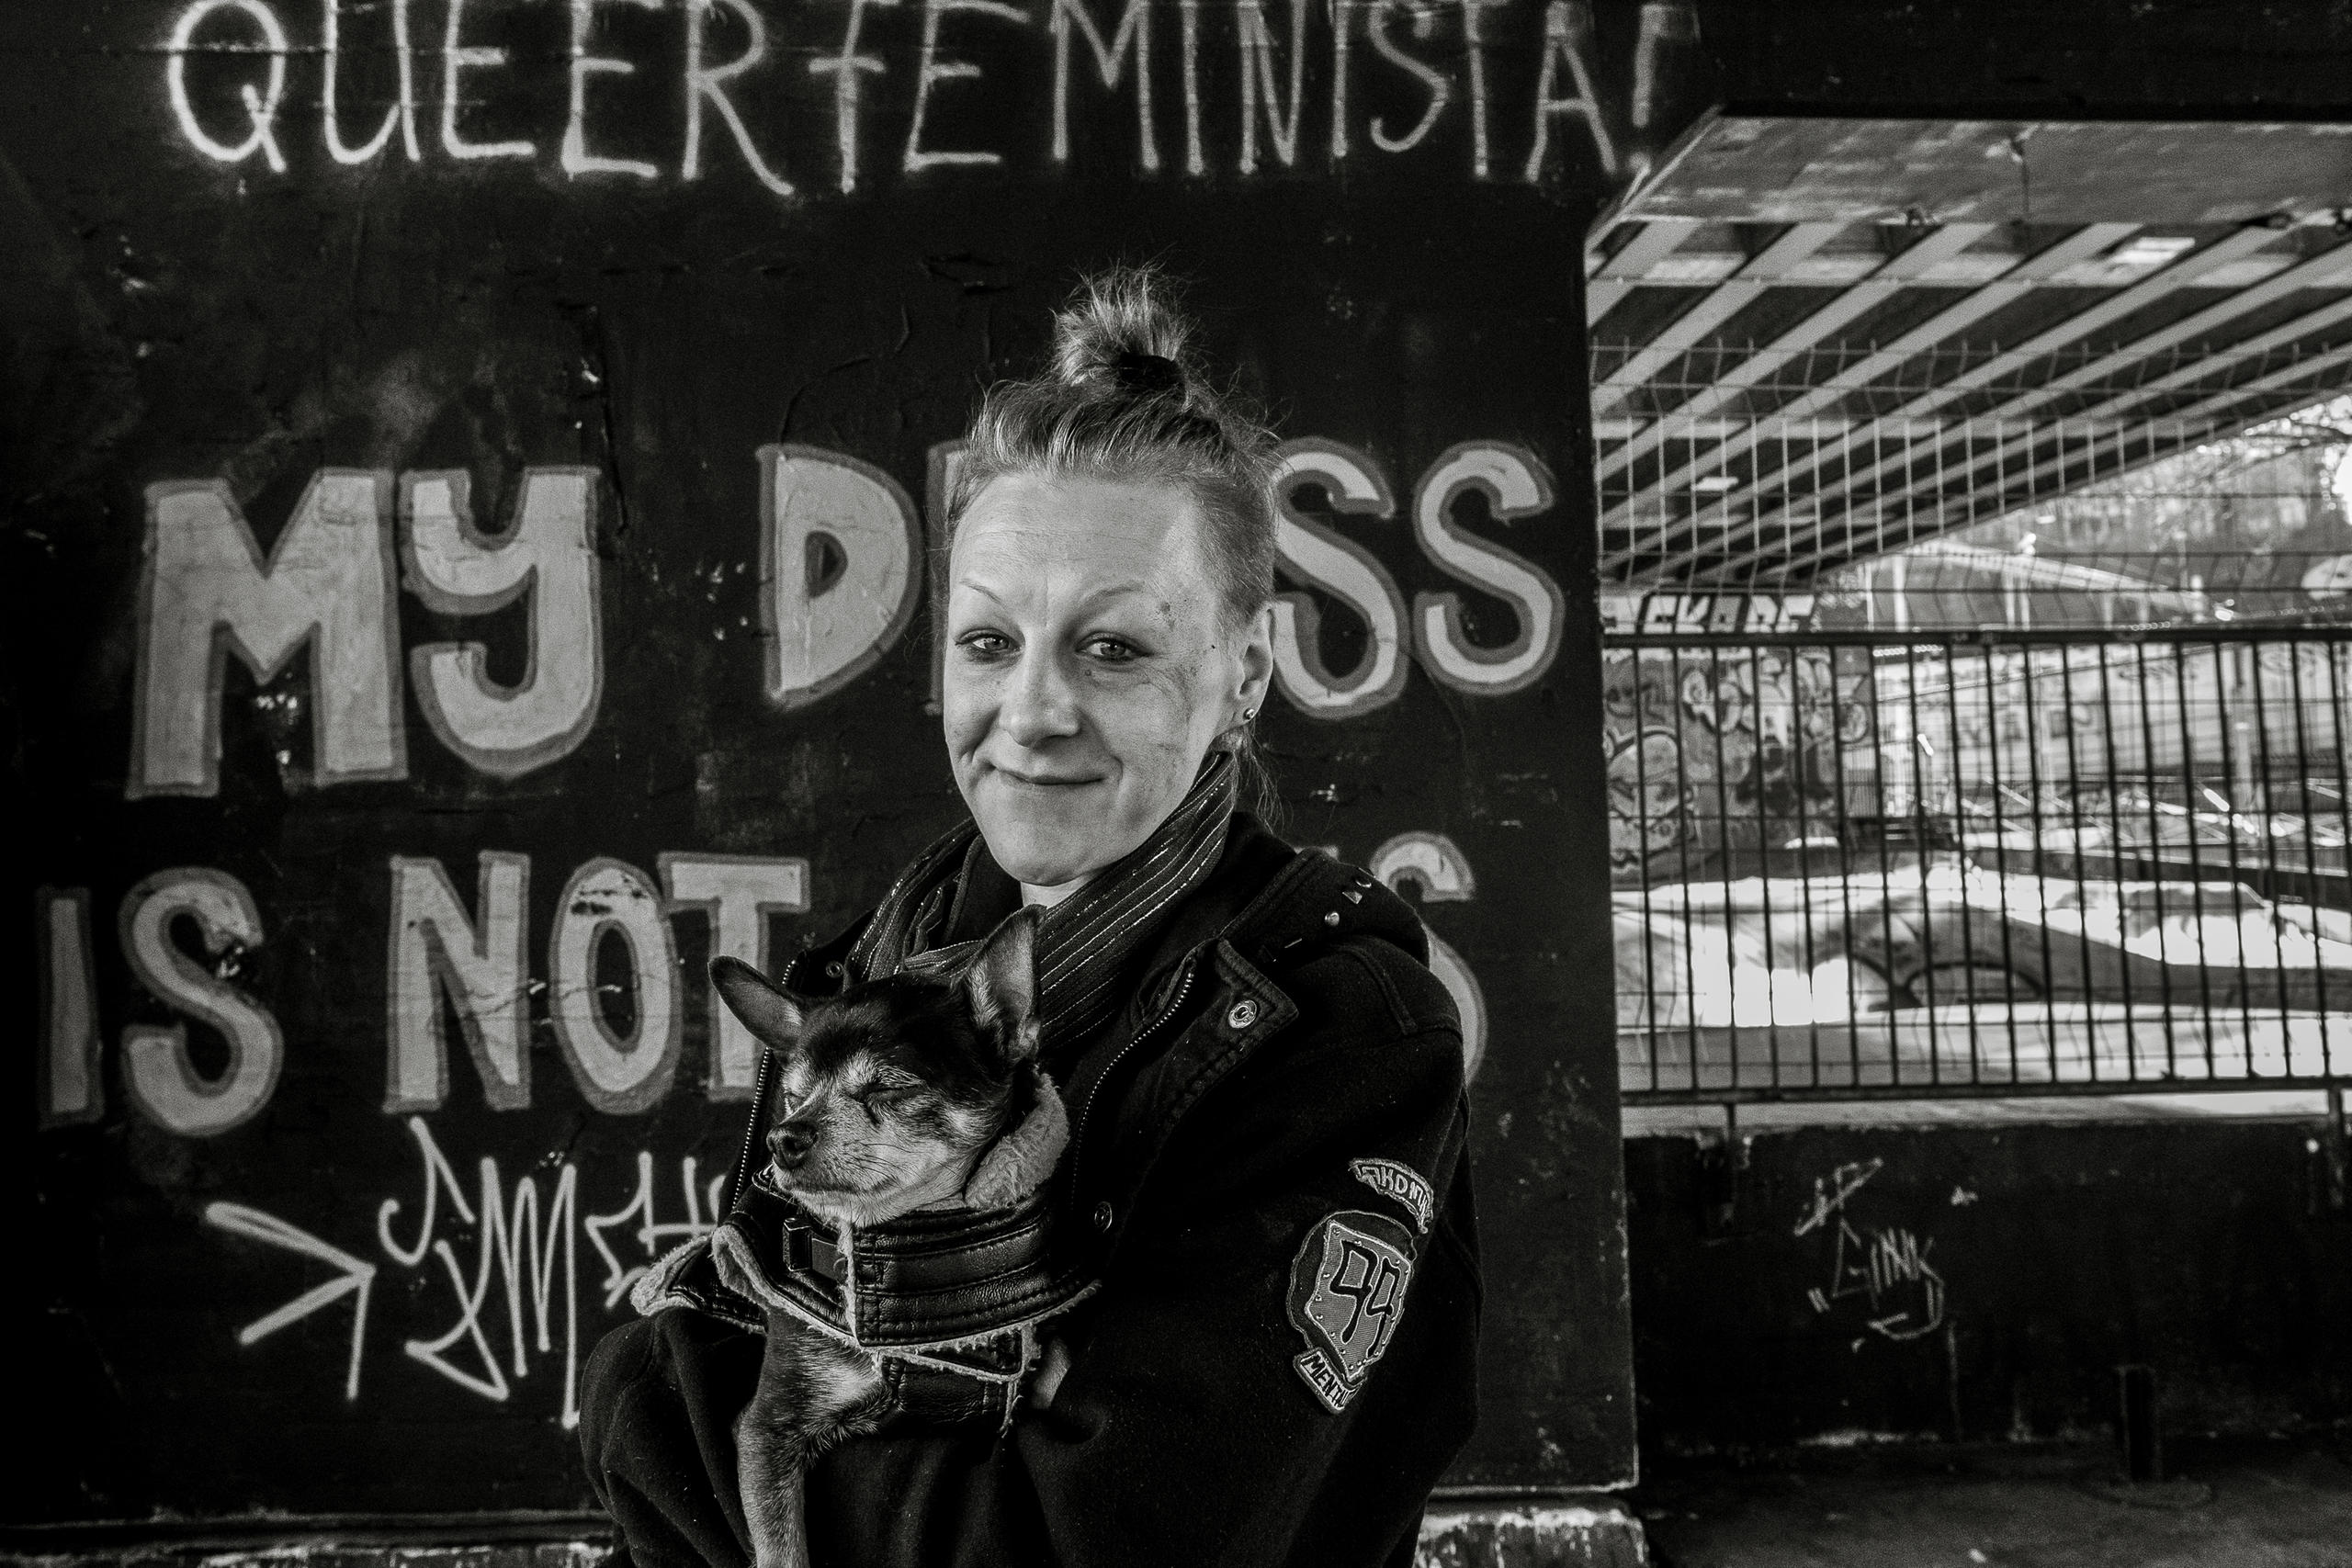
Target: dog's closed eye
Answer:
[[885, 1094], [890, 1088]]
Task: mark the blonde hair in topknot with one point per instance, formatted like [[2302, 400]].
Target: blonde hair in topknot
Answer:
[[1123, 311], [1127, 400]]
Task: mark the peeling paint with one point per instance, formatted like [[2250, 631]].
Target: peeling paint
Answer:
[[1598, 1535]]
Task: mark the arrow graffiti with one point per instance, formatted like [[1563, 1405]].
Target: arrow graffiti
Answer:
[[358, 1275], [525, 1238]]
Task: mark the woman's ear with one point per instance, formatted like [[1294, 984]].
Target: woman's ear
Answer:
[[772, 1016], [1002, 985], [1257, 662]]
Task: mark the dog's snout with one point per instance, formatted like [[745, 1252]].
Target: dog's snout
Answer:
[[790, 1143]]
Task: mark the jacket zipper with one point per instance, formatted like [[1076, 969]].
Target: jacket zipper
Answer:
[[751, 1134], [1086, 1112]]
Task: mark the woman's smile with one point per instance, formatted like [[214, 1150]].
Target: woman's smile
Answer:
[[1039, 781]]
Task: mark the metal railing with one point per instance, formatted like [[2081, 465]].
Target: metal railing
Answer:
[[1936, 864]]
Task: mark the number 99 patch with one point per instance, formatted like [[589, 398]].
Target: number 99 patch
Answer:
[[1347, 1295]]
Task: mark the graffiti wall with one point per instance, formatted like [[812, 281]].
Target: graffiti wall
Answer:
[[1716, 755], [472, 467]]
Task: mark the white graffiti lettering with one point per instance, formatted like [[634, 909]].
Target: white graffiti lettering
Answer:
[[1440, 873], [1435, 83], [158, 1073], [1886, 1269], [841, 544], [549, 560], [260, 104], [1110, 64], [576, 158], [618, 1073], [456, 58], [1515, 484], [478, 965], [709, 83], [510, 1236], [1268, 83], [357, 1275], [935, 70], [1567, 39], [325, 590], [401, 115], [527, 1245], [1319, 555], [738, 892], [651, 1235], [1258, 76], [71, 1088], [841, 554]]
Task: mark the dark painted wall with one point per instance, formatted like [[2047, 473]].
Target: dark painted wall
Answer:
[[1982, 1283], [269, 1269]]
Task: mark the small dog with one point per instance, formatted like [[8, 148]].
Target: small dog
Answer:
[[892, 1095]]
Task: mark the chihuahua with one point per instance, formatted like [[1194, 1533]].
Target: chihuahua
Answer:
[[891, 1097]]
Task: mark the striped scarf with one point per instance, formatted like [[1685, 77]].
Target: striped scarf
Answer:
[[1083, 942]]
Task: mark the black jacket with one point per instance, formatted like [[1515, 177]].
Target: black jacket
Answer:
[[1249, 1152]]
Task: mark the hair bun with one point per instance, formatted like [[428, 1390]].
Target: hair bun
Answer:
[[1146, 375], [1123, 335]]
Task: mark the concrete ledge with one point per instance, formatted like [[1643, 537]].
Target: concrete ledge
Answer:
[[1706, 1121], [1551, 1532], [295, 1550], [1593, 1531]]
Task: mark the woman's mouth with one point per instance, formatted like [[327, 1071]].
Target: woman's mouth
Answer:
[[1045, 781]]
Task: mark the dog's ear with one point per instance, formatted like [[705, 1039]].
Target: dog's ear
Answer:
[[764, 1006], [1002, 985]]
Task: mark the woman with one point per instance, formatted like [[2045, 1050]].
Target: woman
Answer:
[[1263, 1079]]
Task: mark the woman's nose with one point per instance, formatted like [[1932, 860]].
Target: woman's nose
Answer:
[[1038, 704]]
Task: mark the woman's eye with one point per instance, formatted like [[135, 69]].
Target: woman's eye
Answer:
[[987, 645], [1111, 649]]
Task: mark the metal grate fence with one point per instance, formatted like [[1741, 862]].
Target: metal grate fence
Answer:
[[1778, 503], [1857, 865]]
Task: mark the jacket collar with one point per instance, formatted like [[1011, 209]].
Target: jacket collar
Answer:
[[1210, 996]]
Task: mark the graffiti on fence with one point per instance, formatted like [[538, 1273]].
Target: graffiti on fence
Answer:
[[1711, 751]]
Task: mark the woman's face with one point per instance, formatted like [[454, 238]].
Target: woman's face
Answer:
[[1089, 668]]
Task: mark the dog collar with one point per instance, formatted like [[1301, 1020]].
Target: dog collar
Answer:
[[925, 1282]]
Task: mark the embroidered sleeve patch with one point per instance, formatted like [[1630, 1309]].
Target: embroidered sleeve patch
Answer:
[[1347, 1294], [1401, 1182]]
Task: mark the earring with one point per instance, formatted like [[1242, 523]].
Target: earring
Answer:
[[1249, 714]]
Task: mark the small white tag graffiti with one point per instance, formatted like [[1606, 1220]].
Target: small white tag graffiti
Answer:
[[1347, 1294], [1401, 1183]]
